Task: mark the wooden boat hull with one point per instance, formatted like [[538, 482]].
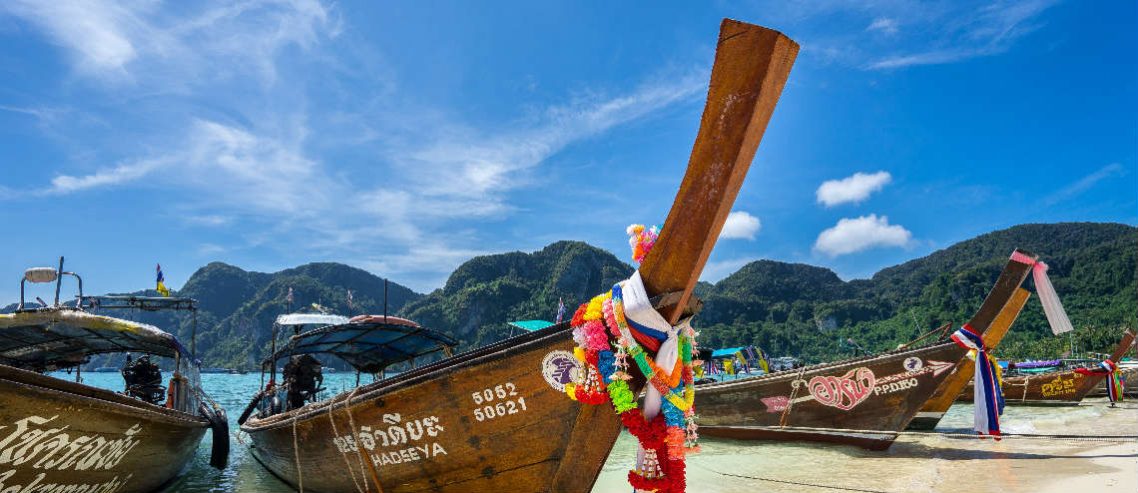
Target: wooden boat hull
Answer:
[[865, 401], [57, 435], [1059, 388], [1129, 375], [862, 402], [489, 420], [933, 410]]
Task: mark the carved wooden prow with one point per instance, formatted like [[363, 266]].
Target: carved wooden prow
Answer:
[[752, 64], [1123, 346]]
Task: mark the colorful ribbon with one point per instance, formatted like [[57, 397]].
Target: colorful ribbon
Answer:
[[1114, 385], [988, 398], [1052, 307]]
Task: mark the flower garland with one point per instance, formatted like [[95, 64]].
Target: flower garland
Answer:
[[641, 240], [665, 438]]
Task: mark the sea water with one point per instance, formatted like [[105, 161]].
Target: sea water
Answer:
[[915, 463]]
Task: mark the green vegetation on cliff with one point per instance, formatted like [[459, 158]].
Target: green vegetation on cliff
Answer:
[[788, 309]]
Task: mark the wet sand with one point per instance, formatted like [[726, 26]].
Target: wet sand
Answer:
[[927, 462]]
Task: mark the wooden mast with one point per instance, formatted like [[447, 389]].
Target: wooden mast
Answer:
[[752, 64]]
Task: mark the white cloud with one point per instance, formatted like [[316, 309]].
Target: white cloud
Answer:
[[740, 225], [212, 123], [865, 232], [854, 188], [462, 163], [1085, 183], [133, 41], [122, 173], [972, 32], [883, 24], [94, 31]]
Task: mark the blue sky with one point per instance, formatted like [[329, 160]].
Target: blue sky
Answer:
[[405, 138]]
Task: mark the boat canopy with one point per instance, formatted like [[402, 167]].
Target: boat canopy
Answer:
[[311, 319], [531, 325], [369, 344], [53, 338], [1027, 365], [727, 352]]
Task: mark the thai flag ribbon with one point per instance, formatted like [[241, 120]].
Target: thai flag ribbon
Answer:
[[1114, 385], [988, 397]]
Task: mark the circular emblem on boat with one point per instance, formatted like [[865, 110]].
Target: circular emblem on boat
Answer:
[[560, 368], [913, 363]]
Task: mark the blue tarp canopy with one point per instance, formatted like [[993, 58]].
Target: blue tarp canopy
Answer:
[[726, 353], [369, 346], [531, 325]]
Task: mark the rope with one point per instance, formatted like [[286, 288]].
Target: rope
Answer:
[[795, 384], [336, 433], [1027, 436], [355, 436], [296, 454], [796, 483]]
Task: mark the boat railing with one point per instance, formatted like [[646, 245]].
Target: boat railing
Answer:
[[44, 275]]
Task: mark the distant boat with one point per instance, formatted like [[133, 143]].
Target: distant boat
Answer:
[[1056, 388], [133, 445], [863, 401], [106, 369], [216, 370], [495, 418]]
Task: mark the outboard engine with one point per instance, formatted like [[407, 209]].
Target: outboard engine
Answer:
[[303, 377], [143, 380]]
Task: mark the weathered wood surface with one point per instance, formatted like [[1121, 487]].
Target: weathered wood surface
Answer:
[[752, 64], [1053, 388], [550, 443], [57, 435], [863, 401], [933, 410], [422, 432]]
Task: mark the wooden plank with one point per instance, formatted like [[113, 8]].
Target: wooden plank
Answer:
[[752, 64], [938, 404]]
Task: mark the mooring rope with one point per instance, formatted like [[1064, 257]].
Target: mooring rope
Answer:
[[783, 481], [343, 454], [296, 454], [795, 384], [355, 436], [958, 435]]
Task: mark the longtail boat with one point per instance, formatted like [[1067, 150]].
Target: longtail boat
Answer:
[[933, 410], [1059, 388], [497, 418], [862, 401], [61, 435]]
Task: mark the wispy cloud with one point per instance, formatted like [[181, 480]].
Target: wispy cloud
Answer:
[[470, 168], [883, 25], [901, 33], [862, 233], [123, 173], [740, 225], [121, 42], [218, 129], [984, 31], [855, 188], [1085, 183]]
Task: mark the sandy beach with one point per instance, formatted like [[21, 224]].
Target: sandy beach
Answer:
[[929, 462]]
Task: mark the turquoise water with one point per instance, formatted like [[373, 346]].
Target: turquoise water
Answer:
[[917, 462]]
